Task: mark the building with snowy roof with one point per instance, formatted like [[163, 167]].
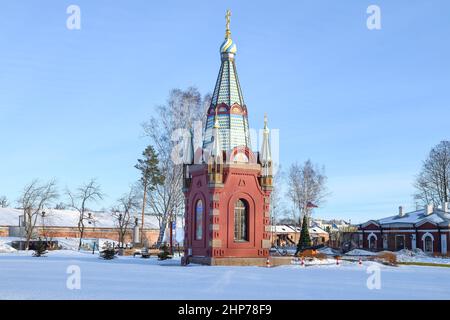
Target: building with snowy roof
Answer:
[[288, 235], [426, 229], [64, 224]]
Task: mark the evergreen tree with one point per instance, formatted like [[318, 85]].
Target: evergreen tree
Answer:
[[305, 240], [150, 177]]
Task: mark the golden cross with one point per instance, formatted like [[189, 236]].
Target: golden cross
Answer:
[[227, 18]]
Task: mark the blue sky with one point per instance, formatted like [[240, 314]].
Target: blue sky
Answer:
[[368, 105]]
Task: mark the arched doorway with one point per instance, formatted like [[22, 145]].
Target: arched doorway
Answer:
[[372, 238], [428, 242]]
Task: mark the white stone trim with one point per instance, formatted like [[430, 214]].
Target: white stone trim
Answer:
[[413, 230], [425, 221], [369, 237], [432, 241], [426, 235]]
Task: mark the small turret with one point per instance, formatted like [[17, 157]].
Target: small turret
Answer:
[[188, 159], [266, 158], [215, 162]]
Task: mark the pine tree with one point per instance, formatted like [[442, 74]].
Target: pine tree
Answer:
[[305, 240], [151, 177]]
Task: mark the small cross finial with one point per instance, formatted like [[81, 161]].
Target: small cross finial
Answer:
[[227, 18]]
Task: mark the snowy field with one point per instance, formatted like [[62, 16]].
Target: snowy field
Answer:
[[25, 277]]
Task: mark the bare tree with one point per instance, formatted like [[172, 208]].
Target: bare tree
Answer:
[[4, 203], [307, 187], [34, 198], [127, 204], [433, 182], [182, 109], [80, 199], [276, 201], [60, 206]]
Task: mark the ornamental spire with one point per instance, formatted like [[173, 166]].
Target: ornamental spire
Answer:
[[266, 154], [228, 48], [227, 111]]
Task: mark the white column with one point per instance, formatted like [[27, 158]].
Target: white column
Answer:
[[443, 243]]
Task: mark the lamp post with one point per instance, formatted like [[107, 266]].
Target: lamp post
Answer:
[[43, 224]]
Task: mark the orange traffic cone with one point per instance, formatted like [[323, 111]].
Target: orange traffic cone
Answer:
[[302, 263], [268, 263], [337, 261], [360, 262]]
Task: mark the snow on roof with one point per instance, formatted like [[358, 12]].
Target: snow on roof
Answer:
[[289, 229], [69, 218], [316, 230], [282, 229], [437, 216]]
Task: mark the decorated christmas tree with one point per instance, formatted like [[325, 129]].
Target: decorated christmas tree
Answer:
[[305, 240]]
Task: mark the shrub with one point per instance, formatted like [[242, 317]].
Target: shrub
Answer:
[[108, 253], [387, 257], [310, 253], [40, 249], [164, 253]]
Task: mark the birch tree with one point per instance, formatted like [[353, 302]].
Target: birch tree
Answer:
[[276, 203], [182, 109], [84, 195], [433, 182], [306, 187], [34, 198]]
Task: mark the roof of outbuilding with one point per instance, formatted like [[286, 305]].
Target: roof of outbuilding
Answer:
[[437, 216], [69, 218]]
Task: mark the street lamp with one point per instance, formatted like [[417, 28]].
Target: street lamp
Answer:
[[43, 223]]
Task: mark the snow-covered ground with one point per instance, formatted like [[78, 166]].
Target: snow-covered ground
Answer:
[[360, 252], [419, 256], [25, 277]]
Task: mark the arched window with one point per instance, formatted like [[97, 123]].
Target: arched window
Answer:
[[428, 242], [199, 220], [241, 221]]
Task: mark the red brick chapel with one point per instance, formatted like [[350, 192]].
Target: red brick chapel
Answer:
[[227, 191]]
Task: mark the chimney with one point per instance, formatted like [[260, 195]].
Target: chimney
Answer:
[[400, 211], [428, 209]]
